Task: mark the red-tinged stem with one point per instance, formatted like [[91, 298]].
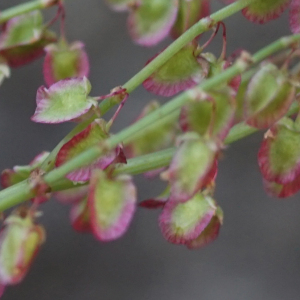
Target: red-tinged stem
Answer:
[[224, 48]]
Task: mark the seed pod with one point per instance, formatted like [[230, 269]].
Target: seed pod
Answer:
[[23, 39], [266, 10], [149, 21], [209, 114], [217, 66], [112, 203], [92, 135], [210, 233], [184, 70], [183, 222], [268, 97], [64, 61], [63, 101], [279, 154], [80, 216], [190, 167], [282, 190], [295, 16], [20, 241], [71, 196], [190, 12]]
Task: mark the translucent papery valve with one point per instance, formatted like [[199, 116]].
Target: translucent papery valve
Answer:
[[20, 240]]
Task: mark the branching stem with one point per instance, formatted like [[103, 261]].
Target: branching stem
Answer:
[[22, 191]]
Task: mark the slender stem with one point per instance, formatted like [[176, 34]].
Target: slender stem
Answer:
[[200, 27], [23, 8], [131, 132], [163, 158], [22, 191], [147, 162]]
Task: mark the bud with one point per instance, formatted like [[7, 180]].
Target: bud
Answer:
[[91, 136], [20, 241], [181, 223], [279, 154], [268, 97], [64, 61], [149, 21], [182, 71], [190, 167], [112, 203]]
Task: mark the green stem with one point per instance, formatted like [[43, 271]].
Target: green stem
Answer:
[[146, 162], [22, 191], [132, 131], [200, 27], [24, 8]]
